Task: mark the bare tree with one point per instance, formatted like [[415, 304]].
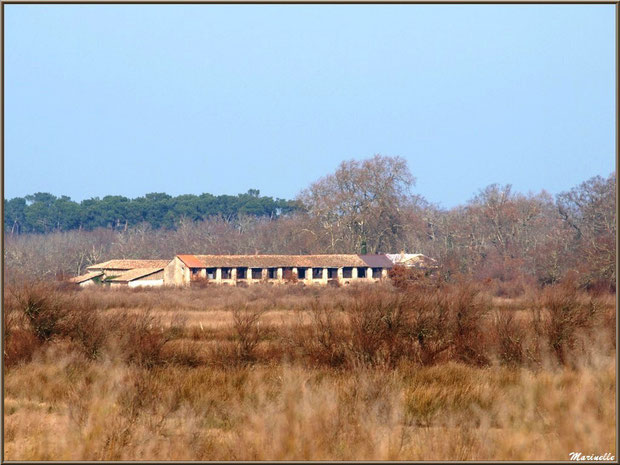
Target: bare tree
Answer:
[[590, 209], [360, 206]]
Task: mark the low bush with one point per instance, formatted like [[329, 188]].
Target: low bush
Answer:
[[246, 324], [468, 308], [569, 315], [19, 347], [380, 327], [379, 323], [510, 336], [324, 343], [405, 278], [424, 322], [141, 339], [44, 307]]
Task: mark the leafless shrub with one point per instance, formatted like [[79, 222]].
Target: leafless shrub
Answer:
[[608, 320], [405, 278], [43, 305], [380, 327], [88, 328], [325, 342], [246, 323], [568, 313], [469, 309], [182, 353], [19, 347], [510, 335], [430, 326], [141, 338], [378, 322]]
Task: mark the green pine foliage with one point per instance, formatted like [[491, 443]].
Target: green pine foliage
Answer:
[[44, 212]]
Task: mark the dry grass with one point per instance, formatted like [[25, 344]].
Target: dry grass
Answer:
[[291, 373]]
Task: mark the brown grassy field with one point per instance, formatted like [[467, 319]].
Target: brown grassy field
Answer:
[[419, 372]]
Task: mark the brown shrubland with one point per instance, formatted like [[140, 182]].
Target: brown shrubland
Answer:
[[505, 352], [427, 370]]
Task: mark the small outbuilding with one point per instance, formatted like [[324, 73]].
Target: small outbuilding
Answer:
[[413, 260], [115, 268]]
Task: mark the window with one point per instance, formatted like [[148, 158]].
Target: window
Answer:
[[257, 273], [347, 272], [376, 273]]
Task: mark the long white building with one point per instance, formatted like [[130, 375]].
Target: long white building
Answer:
[[183, 270]]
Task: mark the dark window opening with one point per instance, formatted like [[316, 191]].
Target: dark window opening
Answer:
[[376, 272], [211, 273], [361, 272], [301, 273], [272, 273], [347, 272], [317, 273], [257, 273], [332, 273], [226, 273], [242, 273]]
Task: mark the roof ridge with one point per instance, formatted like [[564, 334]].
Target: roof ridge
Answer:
[[136, 273]]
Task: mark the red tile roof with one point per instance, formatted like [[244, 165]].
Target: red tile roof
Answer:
[[276, 261], [377, 261], [128, 264], [191, 261], [137, 273], [85, 277]]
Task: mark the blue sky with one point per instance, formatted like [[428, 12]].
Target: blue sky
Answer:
[[130, 99]]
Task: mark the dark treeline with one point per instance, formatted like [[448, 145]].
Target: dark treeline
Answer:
[[507, 239], [44, 212]]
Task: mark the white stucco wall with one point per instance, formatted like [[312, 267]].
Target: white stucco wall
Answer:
[[176, 273]]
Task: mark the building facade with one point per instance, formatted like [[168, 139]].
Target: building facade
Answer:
[[251, 269], [183, 270]]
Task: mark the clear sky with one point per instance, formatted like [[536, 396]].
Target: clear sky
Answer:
[[130, 99]]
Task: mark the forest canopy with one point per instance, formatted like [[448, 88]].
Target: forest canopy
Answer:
[[499, 236], [43, 212]]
